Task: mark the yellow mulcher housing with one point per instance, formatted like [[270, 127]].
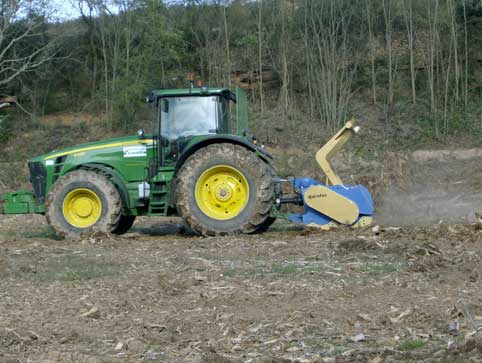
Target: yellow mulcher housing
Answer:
[[332, 203]]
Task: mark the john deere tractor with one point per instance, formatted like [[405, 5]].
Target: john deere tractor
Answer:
[[200, 164]]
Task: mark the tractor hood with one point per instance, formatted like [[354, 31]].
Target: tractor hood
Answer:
[[102, 145]]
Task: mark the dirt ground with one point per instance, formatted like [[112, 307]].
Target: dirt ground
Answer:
[[408, 294]]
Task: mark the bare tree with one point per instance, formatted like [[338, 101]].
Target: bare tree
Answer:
[[466, 46], [111, 30], [409, 24], [446, 66], [226, 39], [260, 54], [284, 92], [388, 18], [371, 39], [87, 14], [455, 46], [431, 49], [306, 39], [21, 23], [333, 59]]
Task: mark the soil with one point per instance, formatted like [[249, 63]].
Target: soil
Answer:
[[409, 294]]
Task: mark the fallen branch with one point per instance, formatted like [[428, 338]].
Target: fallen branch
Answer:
[[465, 310], [7, 101]]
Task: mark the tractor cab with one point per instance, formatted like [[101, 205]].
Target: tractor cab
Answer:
[[184, 117]]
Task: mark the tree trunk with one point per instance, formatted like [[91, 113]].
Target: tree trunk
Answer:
[[228, 53], [371, 39], [260, 55], [410, 36]]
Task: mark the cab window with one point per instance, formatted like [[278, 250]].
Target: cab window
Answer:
[[188, 116]]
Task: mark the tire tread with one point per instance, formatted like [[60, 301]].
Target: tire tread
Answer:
[[111, 194], [262, 172]]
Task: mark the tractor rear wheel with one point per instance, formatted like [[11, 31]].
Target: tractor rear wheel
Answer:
[[225, 189], [81, 201]]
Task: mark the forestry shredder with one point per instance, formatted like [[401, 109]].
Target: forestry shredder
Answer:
[[200, 164]]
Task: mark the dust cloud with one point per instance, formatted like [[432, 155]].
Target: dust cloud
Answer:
[[437, 187]]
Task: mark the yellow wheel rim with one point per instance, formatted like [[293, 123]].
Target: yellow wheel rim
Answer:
[[222, 192], [82, 208]]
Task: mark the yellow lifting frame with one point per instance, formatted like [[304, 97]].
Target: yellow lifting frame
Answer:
[[333, 145]]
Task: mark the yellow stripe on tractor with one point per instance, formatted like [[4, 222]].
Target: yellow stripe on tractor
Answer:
[[97, 147]]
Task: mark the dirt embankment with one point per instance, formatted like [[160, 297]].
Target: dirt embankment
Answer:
[[289, 295]]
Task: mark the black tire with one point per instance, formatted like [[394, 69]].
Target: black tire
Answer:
[[125, 223], [257, 173], [83, 179], [267, 223]]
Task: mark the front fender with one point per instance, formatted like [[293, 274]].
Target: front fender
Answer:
[[116, 179]]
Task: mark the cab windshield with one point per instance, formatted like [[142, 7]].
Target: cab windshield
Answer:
[[189, 116]]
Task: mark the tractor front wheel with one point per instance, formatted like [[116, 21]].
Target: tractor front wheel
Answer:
[[225, 189], [81, 201]]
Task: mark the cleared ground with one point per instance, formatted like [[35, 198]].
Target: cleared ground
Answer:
[[403, 295]]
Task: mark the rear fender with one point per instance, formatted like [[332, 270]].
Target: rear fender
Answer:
[[215, 139]]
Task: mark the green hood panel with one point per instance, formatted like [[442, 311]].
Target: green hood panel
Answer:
[[96, 145], [128, 156]]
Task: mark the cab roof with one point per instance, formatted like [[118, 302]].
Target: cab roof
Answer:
[[204, 91]]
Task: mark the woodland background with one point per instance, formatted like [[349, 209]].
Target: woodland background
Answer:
[[410, 70]]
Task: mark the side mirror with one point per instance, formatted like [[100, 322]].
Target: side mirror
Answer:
[[140, 134]]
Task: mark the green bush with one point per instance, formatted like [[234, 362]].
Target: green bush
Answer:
[[6, 127], [127, 101]]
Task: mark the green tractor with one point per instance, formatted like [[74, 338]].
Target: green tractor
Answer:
[[200, 164]]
